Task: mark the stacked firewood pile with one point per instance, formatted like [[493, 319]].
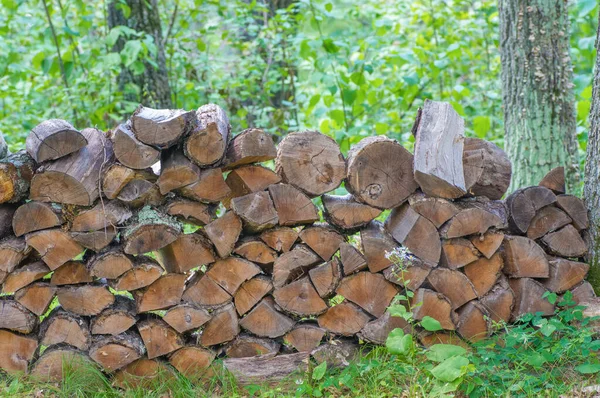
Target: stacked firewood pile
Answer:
[[108, 258]]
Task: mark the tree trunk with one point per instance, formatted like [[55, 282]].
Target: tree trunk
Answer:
[[153, 83], [592, 180], [539, 113]]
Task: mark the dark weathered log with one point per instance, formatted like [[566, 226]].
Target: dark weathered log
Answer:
[[110, 263], [95, 240], [130, 151], [377, 331], [293, 207], [293, 265], [345, 213], [223, 327], [376, 244], [266, 321], [159, 338], [210, 187], [176, 171], [15, 317], [186, 317], [188, 251], [34, 216], [207, 142], [304, 337], [473, 322], [53, 139], [457, 253], [452, 284], [193, 362], [245, 346], [439, 138], [12, 252], [16, 351], [554, 180], [487, 168], [205, 292], [337, 353], [191, 212], [224, 232], [257, 251], [55, 246], [144, 374], [115, 178], [256, 211], [300, 298], [566, 242], [523, 204], [143, 272], [24, 275], [435, 305], [564, 274], [7, 211], [548, 219], [326, 277], [16, 173], [345, 319], [488, 243], [163, 293], [322, 239], [576, 209], [104, 214], [410, 274], [524, 258], [483, 273], [250, 146], [75, 178], [36, 297], [116, 319], [311, 162], [499, 302], [352, 259], [436, 210], [476, 217], [150, 230], [266, 368], [85, 299], [62, 327], [231, 272], [372, 292], [248, 179], [58, 361], [415, 232], [280, 239], [251, 292], [161, 127], [380, 172], [139, 193], [430, 339], [529, 298]]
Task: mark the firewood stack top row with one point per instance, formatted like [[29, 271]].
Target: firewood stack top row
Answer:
[[165, 244]]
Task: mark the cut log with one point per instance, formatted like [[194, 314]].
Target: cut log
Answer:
[[56, 362], [203, 291], [487, 168], [380, 172], [430, 339], [304, 337], [576, 209], [457, 253], [436, 210], [16, 351], [352, 259], [548, 219], [165, 292], [187, 252], [116, 319], [377, 331], [250, 146], [338, 353], [139, 193], [265, 321], [483, 273], [280, 239], [554, 180], [210, 187], [251, 292], [488, 243], [452, 284], [300, 298], [231, 272], [524, 258], [370, 291], [191, 212], [439, 139], [176, 171], [16, 172], [293, 207], [85, 299], [256, 210], [192, 362], [267, 369], [55, 246], [376, 244], [293, 264], [149, 231], [345, 319], [245, 346], [322, 239], [499, 302], [110, 263], [186, 317], [144, 272], [62, 327], [105, 214], [583, 292], [115, 178], [529, 298], [114, 352], [411, 274], [248, 179], [326, 277], [130, 151], [435, 305], [345, 213], [415, 232], [222, 327], [523, 204], [566, 242], [207, 142], [34, 216], [15, 317], [160, 127], [53, 139], [564, 275], [75, 178], [473, 322], [7, 211], [224, 232], [36, 297], [159, 338], [311, 162], [144, 374], [95, 240], [476, 217], [12, 252], [23, 276], [256, 251]]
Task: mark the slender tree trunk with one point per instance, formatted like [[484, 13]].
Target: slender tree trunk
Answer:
[[537, 88], [592, 177], [153, 83]]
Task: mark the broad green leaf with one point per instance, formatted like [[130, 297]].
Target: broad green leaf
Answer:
[[450, 369], [330, 46], [482, 125], [319, 371], [441, 352], [588, 368], [399, 343], [430, 324]]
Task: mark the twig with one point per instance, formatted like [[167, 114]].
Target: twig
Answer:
[[171, 24]]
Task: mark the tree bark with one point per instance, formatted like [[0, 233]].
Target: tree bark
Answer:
[[537, 89]]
